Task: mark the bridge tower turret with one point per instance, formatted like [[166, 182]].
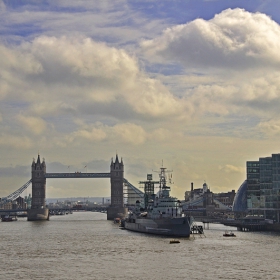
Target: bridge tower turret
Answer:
[[38, 209], [117, 209]]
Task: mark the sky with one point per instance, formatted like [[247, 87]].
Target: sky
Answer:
[[192, 85]]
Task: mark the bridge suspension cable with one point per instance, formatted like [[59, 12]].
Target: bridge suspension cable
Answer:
[[134, 189], [16, 193], [132, 192]]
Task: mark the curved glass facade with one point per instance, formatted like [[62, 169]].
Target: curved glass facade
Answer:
[[240, 200]]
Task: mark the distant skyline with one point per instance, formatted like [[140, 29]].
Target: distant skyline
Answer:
[[75, 199], [190, 83]]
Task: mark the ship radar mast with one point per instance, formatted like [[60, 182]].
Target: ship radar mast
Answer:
[[163, 188], [149, 185]]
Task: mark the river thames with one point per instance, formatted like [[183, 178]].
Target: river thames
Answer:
[[85, 245]]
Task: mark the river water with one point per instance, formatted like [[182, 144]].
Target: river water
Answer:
[[84, 245]]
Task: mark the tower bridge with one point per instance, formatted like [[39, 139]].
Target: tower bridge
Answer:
[[39, 211]]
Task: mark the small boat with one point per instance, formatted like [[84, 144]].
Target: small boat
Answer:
[[174, 241], [229, 234], [7, 218]]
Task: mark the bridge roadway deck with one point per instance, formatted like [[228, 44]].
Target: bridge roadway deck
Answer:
[[11, 211], [14, 212], [78, 175]]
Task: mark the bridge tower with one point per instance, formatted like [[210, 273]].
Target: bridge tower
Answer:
[[38, 209], [117, 208]]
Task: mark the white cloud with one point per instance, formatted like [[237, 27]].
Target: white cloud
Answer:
[[16, 142], [127, 133], [15, 60], [270, 128], [130, 133], [33, 124], [104, 5], [236, 58], [233, 39], [228, 168], [161, 134], [113, 21], [92, 135], [2, 6], [65, 74]]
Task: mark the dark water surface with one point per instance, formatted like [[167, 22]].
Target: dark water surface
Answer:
[[85, 245]]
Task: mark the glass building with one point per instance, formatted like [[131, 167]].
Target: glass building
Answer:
[[263, 187], [240, 200]]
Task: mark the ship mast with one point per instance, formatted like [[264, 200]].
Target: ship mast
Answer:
[[162, 179]]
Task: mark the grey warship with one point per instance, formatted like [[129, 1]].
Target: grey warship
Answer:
[[161, 215]]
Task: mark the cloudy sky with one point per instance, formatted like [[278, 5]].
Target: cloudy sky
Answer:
[[192, 83]]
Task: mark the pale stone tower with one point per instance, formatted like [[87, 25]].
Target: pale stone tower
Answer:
[[117, 208], [38, 209]]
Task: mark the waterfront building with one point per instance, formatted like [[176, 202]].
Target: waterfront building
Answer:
[[200, 197], [225, 197], [202, 201], [239, 206], [15, 205], [8, 206], [28, 200], [261, 189], [21, 203]]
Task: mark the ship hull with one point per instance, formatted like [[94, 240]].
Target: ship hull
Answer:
[[177, 227]]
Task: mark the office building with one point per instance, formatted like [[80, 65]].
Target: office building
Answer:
[[261, 189]]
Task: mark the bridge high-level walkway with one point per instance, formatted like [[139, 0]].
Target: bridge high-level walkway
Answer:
[[78, 175]]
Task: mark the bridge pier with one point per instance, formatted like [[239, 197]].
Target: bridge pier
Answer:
[[38, 214], [116, 212]]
